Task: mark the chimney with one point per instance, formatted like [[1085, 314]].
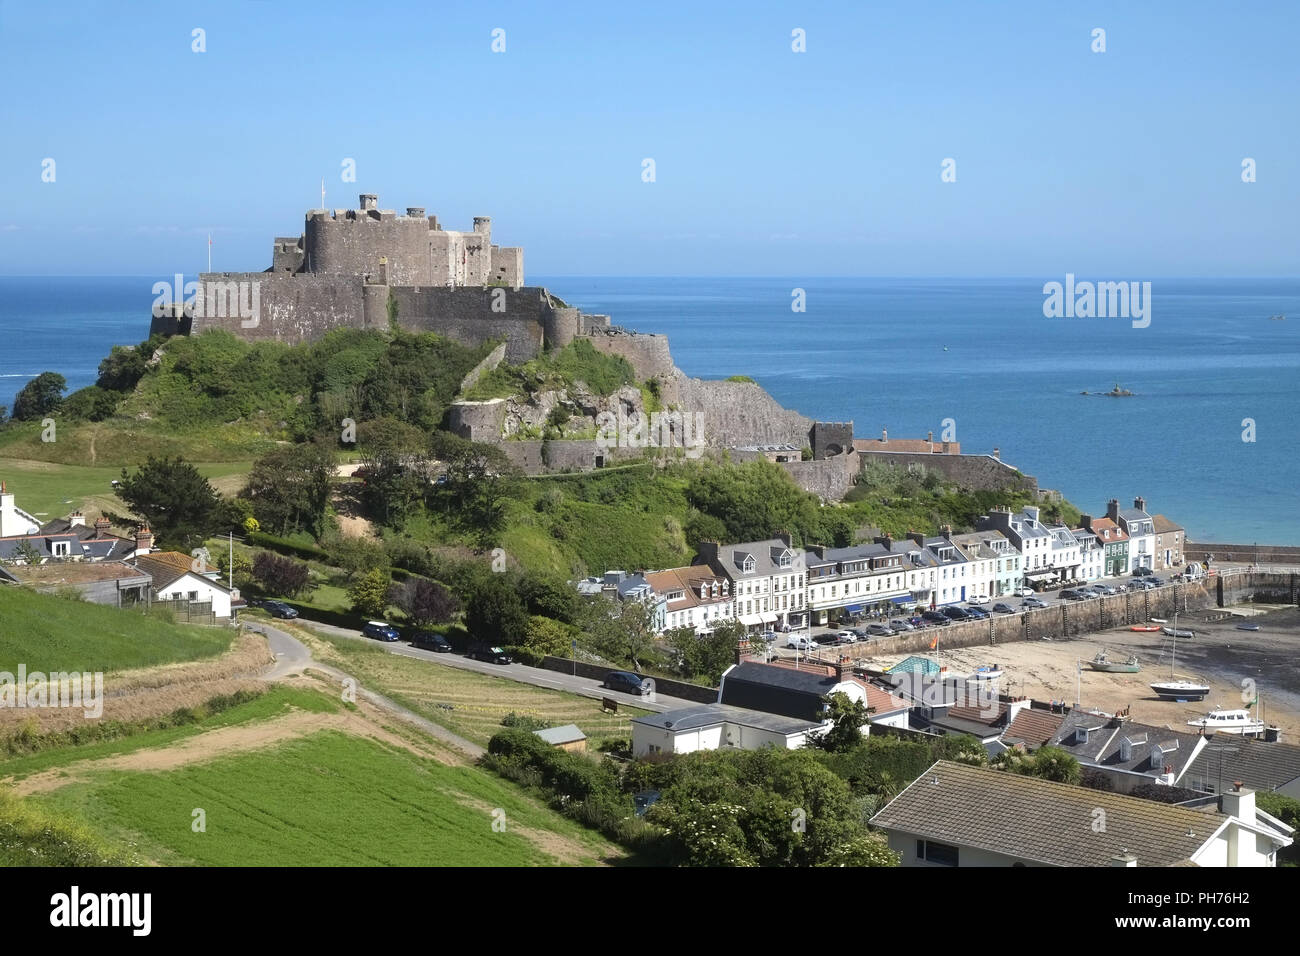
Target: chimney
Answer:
[[884, 434], [784, 538], [1085, 521], [1239, 803], [918, 538], [843, 668], [143, 539], [1112, 509], [1140, 504], [76, 520], [946, 530], [102, 525], [369, 201], [1124, 859], [929, 436], [945, 447], [997, 453], [887, 540]]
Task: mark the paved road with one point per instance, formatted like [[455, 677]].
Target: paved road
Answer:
[[585, 686], [292, 656]]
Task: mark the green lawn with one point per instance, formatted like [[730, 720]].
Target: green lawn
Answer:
[[47, 633], [468, 703], [329, 799], [49, 490]]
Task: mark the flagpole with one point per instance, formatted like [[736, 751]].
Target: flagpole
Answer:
[[209, 252]]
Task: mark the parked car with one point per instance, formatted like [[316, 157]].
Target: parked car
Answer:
[[1003, 609], [1104, 589], [1032, 602], [381, 631], [916, 620], [937, 618], [1072, 595], [859, 633], [978, 599], [800, 642], [899, 625], [978, 613], [487, 652], [1024, 592], [628, 682], [1142, 572], [1155, 582], [880, 630], [430, 641], [769, 636], [279, 609], [829, 639], [954, 613]]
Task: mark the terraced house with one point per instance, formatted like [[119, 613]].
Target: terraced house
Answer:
[[1114, 543], [1141, 530], [696, 597], [767, 578], [850, 580], [1027, 535]]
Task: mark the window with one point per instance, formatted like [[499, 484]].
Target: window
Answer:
[[940, 854], [194, 595]]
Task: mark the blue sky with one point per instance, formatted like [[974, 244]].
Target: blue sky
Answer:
[[1123, 164]]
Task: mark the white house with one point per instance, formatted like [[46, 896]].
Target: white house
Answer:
[[957, 814], [179, 576], [767, 579], [718, 726]]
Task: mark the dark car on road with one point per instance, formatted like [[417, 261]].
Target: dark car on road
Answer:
[[978, 613], [381, 631], [488, 652], [1003, 609], [1141, 571], [955, 613], [430, 641], [628, 682], [1033, 602], [935, 617], [278, 609]]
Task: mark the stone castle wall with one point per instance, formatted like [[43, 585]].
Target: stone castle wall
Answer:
[[738, 413], [979, 472]]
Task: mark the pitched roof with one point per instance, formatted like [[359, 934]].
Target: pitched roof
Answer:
[[709, 715], [1029, 818], [76, 572], [1163, 525], [1257, 764], [565, 734], [1032, 727], [168, 567], [777, 690]]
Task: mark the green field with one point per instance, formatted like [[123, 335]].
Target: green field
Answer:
[[468, 703], [329, 799], [47, 633], [49, 490]]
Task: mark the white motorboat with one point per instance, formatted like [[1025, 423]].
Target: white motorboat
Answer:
[[1229, 722]]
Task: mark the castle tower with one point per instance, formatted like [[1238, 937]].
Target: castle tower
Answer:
[[369, 201], [483, 226]]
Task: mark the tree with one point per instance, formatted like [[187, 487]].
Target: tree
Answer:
[[424, 601], [1049, 763], [243, 568], [89, 404], [707, 655], [355, 555], [280, 575], [546, 636], [479, 479], [393, 465], [619, 631], [848, 717], [495, 613], [121, 369], [179, 504], [291, 488], [39, 397], [25, 553], [369, 593]]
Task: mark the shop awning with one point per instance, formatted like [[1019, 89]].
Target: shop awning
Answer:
[[853, 609], [905, 599], [751, 620], [1040, 573], [769, 618]]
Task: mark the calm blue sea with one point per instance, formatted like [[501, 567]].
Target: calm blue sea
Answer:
[[907, 354]]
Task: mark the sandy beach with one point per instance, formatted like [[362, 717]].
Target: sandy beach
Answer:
[[1220, 656]]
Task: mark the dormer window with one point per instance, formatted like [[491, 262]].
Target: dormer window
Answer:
[[748, 566]]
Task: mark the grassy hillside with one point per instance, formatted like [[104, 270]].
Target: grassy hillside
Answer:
[[468, 703], [329, 799], [47, 632]]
